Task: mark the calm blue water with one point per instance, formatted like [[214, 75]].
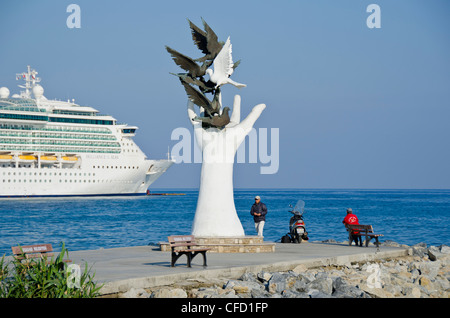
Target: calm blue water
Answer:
[[404, 216]]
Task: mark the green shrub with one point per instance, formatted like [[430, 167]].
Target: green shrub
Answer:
[[44, 278]]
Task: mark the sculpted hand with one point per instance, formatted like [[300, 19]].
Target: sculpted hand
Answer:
[[216, 213]]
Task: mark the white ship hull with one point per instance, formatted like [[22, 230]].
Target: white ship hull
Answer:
[[113, 177]]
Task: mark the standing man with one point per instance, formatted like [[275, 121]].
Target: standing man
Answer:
[[259, 211], [351, 218]]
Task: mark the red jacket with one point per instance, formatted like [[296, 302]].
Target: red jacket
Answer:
[[351, 219]]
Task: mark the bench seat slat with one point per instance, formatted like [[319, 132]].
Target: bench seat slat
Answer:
[[183, 244], [37, 255], [192, 250]]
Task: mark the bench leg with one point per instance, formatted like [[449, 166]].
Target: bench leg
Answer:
[[204, 259], [189, 258], [174, 259], [204, 256]]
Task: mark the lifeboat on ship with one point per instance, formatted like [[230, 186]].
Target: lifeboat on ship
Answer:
[[48, 159], [69, 159], [27, 158], [6, 158]]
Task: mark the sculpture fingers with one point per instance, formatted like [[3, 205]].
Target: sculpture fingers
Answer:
[[247, 124], [192, 114], [236, 114]]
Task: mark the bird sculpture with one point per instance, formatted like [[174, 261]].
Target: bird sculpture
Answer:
[[187, 63], [223, 67], [206, 41], [218, 121], [198, 98], [204, 86]]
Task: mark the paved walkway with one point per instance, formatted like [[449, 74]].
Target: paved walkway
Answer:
[[146, 266]]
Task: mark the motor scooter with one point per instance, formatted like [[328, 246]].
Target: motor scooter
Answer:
[[297, 227]]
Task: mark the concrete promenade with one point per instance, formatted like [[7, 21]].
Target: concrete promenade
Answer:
[[121, 269]]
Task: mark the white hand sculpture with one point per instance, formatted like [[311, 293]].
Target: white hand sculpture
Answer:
[[216, 213]]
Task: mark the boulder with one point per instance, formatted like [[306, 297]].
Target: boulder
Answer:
[[419, 249], [323, 285], [203, 292], [300, 269], [264, 277], [390, 243], [444, 249], [136, 293], [411, 290], [243, 287], [169, 293], [426, 283], [342, 289], [276, 284], [293, 294]]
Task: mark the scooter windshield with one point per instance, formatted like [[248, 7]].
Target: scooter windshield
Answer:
[[299, 207]]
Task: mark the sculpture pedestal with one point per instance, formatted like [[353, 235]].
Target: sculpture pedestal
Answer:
[[228, 244]]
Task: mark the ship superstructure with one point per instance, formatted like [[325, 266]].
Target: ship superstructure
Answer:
[[54, 148]]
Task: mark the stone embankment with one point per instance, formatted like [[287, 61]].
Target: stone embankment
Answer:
[[423, 274]]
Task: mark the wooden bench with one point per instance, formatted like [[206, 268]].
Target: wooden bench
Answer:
[[29, 252], [185, 245], [364, 230]]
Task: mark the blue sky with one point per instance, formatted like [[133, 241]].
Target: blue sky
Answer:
[[355, 107]]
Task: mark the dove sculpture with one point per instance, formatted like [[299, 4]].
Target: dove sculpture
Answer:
[[199, 99], [206, 41], [187, 63], [205, 87], [223, 67], [218, 121]]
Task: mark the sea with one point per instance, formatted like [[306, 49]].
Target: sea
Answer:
[[90, 223]]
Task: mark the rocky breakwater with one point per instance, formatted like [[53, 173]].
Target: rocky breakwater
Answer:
[[425, 273]]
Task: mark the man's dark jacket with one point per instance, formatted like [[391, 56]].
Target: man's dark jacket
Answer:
[[259, 208]]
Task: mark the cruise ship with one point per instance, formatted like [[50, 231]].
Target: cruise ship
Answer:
[[57, 148]]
